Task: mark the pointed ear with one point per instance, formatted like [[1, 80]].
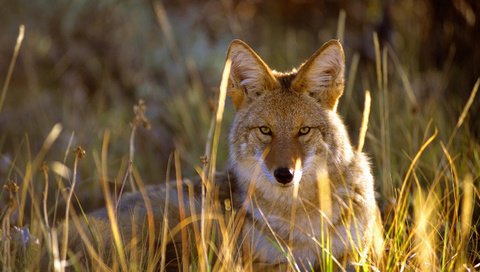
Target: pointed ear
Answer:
[[249, 77], [322, 76]]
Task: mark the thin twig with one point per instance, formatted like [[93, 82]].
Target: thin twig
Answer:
[[139, 120], [364, 126], [79, 154], [20, 36]]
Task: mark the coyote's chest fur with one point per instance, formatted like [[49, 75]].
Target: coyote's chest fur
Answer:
[[305, 193]]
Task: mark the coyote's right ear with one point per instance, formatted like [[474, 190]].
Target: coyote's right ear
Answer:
[[322, 76], [249, 77]]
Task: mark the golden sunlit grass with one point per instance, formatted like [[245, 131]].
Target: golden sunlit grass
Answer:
[[427, 197]]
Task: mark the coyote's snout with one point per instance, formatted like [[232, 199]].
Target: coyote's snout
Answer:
[[306, 194], [283, 152]]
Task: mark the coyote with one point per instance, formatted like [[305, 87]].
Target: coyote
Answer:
[[307, 196]]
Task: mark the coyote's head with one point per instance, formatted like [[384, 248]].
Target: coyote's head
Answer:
[[283, 118]]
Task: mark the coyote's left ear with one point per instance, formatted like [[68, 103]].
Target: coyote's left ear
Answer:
[[249, 77], [322, 76]]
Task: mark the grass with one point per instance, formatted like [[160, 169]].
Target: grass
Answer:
[[425, 162]]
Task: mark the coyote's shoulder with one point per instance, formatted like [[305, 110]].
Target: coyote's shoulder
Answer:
[[303, 193]]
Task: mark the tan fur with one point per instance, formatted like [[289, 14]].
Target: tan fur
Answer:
[[307, 98], [286, 103]]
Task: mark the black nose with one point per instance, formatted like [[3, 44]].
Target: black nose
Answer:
[[283, 175]]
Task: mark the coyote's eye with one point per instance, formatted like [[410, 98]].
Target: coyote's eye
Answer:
[[303, 131], [265, 130]]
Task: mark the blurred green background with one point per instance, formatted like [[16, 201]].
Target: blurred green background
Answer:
[[85, 63]]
